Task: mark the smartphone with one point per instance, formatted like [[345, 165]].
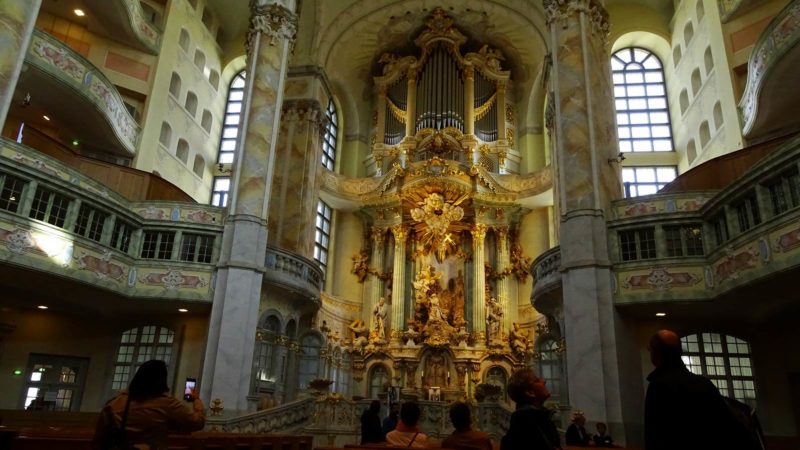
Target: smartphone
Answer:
[[187, 391]]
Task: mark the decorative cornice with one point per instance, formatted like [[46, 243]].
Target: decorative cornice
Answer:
[[273, 21], [561, 10]]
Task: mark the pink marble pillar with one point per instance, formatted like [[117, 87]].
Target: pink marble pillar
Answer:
[[228, 362], [17, 19], [585, 142]]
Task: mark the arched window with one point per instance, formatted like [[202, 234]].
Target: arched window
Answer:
[[705, 134], [184, 40], [725, 360], [641, 102], [323, 233], [691, 151], [709, 61], [697, 82], [175, 85], [496, 376], [718, 118], [139, 345], [308, 369], [233, 114], [329, 139], [182, 151], [701, 11], [206, 120], [213, 79], [199, 59], [165, 138], [199, 166], [378, 379], [688, 33], [676, 55], [191, 103], [684, 101], [266, 369], [345, 374], [550, 366]]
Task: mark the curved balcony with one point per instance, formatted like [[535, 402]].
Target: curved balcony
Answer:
[[76, 94], [752, 267], [769, 103], [298, 276], [101, 259], [545, 295], [125, 21]]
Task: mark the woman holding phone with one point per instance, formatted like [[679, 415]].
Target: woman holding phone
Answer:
[[146, 413]]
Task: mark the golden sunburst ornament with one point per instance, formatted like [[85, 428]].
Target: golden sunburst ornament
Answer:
[[437, 214]]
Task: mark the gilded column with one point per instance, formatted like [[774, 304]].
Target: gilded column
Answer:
[[503, 261], [228, 362], [400, 233], [376, 284], [479, 281], [17, 18], [587, 183], [469, 100]]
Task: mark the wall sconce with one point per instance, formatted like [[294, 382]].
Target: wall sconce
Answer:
[[618, 159]]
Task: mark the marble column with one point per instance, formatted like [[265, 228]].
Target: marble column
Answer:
[[585, 141], [503, 262], [376, 261], [400, 233], [479, 282], [17, 19], [295, 185], [228, 362]]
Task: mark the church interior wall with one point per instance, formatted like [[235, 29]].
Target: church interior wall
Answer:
[[162, 106], [70, 334], [348, 241]]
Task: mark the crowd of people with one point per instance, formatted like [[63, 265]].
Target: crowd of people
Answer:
[[682, 411]]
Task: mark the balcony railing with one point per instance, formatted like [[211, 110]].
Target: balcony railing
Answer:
[[768, 58], [741, 235], [295, 273], [63, 64], [39, 236]]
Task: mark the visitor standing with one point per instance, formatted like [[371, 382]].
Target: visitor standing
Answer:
[[531, 426]]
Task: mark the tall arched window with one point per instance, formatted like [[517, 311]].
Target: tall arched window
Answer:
[[329, 139], [308, 369], [378, 378], [139, 345], [641, 100], [230, 125], [550, 366], [725, 360], [266, 369]]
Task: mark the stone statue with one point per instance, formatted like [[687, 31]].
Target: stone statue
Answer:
[[518, 340], [494, 319], [436, 313], [359, 332], [435, 371], [379, 318], [360, 267]]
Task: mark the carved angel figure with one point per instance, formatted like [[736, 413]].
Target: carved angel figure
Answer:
[[359, 334], [360, 267], [492, 57], [437, 213], [494, 318], [518, 340]]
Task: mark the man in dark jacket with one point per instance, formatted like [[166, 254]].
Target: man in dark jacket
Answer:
[[371, 430], [683, 410], [531, 427]]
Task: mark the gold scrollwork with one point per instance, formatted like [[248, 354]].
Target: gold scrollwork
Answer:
[[481, 111], [398, 113]]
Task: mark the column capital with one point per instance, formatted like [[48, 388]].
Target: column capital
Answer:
[[400, 233], [377, 234], [272, 20], [502, 231], [479, 232], [561, 10]]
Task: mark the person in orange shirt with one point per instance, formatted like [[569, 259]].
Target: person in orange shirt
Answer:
[[464, 437]]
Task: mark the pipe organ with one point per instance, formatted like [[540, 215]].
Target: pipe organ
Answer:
[[442, 93]]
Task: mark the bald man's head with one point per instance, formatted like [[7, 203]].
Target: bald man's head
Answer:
[[665, 346]]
